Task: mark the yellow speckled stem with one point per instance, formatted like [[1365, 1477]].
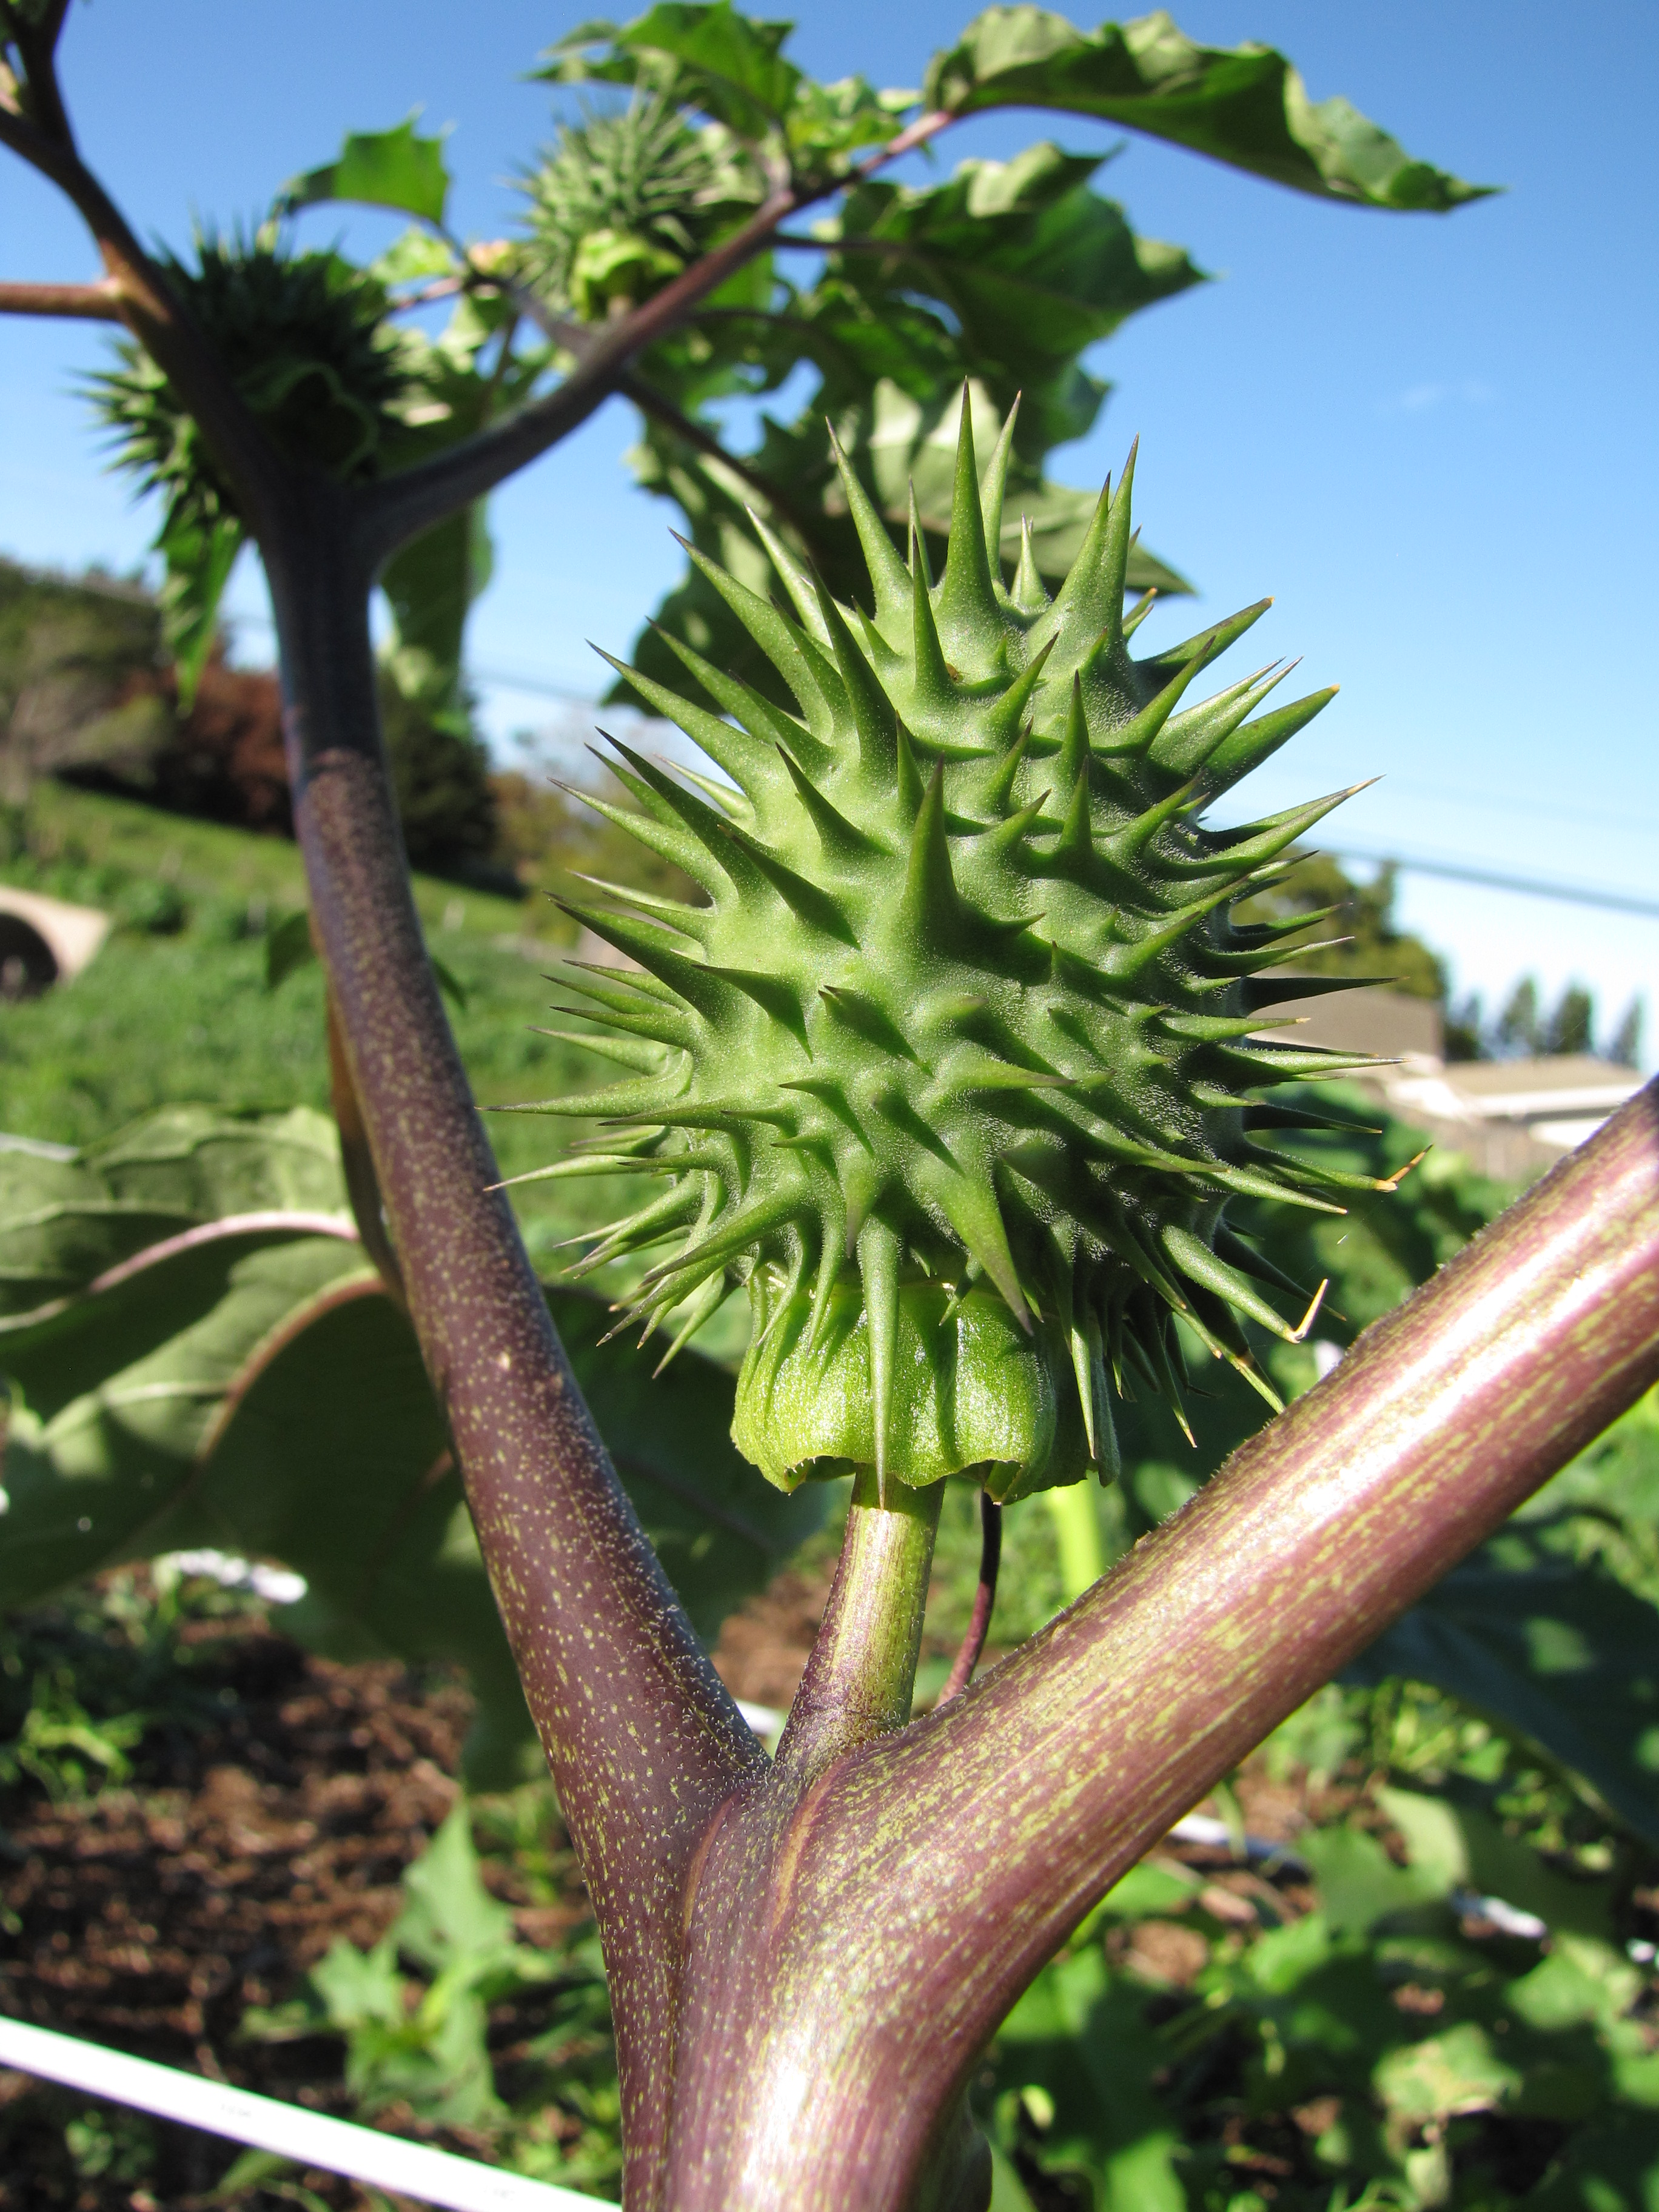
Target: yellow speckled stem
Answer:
[[844, 1977], [644, 1743]]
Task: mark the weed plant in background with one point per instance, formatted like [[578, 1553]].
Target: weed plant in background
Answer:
[[970, 959]]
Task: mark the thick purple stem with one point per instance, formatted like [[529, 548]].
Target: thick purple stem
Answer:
[[643, 1741], [925, 1878]]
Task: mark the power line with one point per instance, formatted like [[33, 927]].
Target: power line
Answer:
[[1489, 879], [1413, 864], [1503, 802]]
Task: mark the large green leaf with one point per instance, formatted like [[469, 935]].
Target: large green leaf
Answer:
[[1024, 268], [1002, 278], [197, 558], [243, 1382], [64, 1224], [431, 582], [731, 68], [1547, 1645], [1245, 105], [396, 169], [731, 63], [119, 1398], [1553, 1630]]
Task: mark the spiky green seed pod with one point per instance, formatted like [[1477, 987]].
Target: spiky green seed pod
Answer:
[[951, 1067], [303, 336], [618, 208]]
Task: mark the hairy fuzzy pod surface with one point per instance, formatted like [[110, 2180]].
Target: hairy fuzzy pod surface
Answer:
[[950, 1067]]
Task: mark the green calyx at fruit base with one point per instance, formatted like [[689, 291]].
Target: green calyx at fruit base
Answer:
[[951, 1068]]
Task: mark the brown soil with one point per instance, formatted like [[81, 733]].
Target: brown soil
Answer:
[[150, 1919], [763, 1647]]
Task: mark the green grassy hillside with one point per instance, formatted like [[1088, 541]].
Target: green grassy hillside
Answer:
[[174, 1006]]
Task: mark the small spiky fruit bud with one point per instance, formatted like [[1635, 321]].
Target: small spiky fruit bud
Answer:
[[950, 1068], [618, 208], [305, 340]]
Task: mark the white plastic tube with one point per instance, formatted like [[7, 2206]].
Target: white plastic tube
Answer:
[[458, 2184]]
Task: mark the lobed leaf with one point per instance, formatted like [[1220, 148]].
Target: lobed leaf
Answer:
[[181, 1378], [396, 169], [1246, 105]]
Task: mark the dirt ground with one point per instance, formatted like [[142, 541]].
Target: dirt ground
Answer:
[[152, 1917]]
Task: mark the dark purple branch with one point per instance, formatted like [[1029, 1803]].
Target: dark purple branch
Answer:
[[985, 1597], [36, 43], [399, 508], [581, 339], [643, 1739], [98, 303], [147, 305], [690, 432], [935, 1871], [357, 1159]]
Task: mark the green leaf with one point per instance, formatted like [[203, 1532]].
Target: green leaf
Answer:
[[181, 1379], [892, 441], [414, 257], [395, 168], [288, 948], [1445, 2075], [1079, 2034], [1245, 105], [1024, 266], [358, 1986], [199, 559], [1358, 1882], [1461, 1848], [735, 60], [431, 583], [731, 68], [450, 1914], [1550, 1648], [728, 64], [63, 1223], [449, 983], [123, 1392]]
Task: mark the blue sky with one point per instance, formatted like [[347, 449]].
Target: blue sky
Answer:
[[1433, 439]]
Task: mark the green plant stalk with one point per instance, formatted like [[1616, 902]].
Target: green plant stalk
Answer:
[[1076, 1537], [859, 1682]]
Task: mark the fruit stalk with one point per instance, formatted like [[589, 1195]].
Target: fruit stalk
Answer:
[[860, 1679]]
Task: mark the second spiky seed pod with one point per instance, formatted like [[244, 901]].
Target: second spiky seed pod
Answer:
[[951, 1068]]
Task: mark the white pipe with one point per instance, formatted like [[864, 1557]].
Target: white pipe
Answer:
[[437, 2177]]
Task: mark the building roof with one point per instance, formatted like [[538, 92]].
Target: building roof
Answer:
[[1512, 1117]]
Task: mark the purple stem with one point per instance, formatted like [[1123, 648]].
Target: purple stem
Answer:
[[979, 1624], [926, 1878], [643, 1739]]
